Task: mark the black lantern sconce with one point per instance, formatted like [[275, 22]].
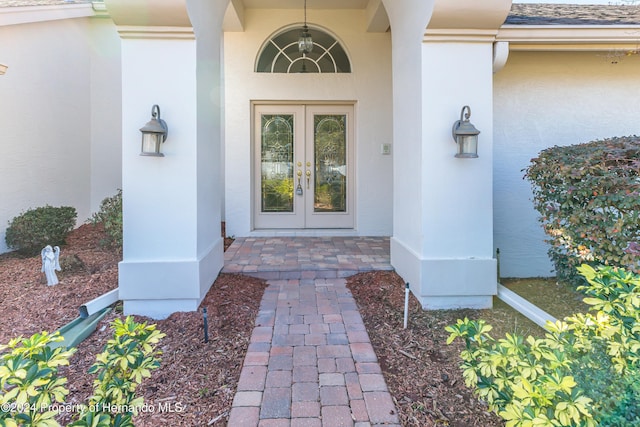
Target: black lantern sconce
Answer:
[[153, 134], [465, 135]]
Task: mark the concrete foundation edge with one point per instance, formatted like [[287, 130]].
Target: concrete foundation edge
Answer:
[[159, 288], [446, 283]]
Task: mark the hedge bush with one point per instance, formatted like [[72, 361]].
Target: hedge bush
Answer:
[[36, 228], [32, 393], [585, 372], [110, 215], [588, 197]]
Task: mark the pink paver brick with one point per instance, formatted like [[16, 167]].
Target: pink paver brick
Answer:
[[252, 378], [358, 336], [334, 351], [247, 398], [276, 422], [345, 364], [315, 339], [368, 368], [276, 403], [244, 416], [256, 358], [305, 374], [327, 364], [372, 382], [380, 407], [331, 379], [332, 318], [302, 392], [306, 422], [333, 395], [319, 328], [261, 334], [352, 381], [359, 410], [336, 416], [305, 409], [278, 379], [282, 351], [363, 352]]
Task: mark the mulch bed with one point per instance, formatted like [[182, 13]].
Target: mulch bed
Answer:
[[421, 370], [196, 382]]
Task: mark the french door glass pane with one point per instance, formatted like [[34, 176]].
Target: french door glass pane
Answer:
[[276, 160], [330, 152]]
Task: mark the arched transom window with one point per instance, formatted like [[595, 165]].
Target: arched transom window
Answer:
[[281, 55]]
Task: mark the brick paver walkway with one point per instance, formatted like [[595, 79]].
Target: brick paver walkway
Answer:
[[310, 362]]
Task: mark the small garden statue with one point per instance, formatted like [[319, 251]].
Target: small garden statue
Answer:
[[50, 263]]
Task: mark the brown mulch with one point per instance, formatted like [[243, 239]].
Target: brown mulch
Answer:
[[421, 370], [196, 381]]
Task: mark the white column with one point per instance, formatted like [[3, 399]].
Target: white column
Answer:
[[443, 213], [173, 249]]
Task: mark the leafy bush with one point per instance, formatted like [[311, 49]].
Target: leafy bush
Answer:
[[110, 215], [32, 394], [127, 359], [585, 372], [32, 230], [588, 196], [29, 380]]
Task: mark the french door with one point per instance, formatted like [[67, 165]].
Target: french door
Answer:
[[303, 166]]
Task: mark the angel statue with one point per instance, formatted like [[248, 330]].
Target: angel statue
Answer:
[[50, 263]]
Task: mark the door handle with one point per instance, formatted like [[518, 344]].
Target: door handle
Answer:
[[308, 177], [299, 187]]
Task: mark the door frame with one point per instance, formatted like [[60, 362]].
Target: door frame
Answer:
[[309, 220]]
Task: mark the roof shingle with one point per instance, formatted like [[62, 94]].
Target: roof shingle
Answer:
[[572, 14]]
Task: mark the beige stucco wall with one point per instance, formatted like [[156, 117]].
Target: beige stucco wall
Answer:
[[544, 99], [369, 85], [59, 116]]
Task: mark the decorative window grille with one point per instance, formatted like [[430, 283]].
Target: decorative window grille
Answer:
[[281, 55]]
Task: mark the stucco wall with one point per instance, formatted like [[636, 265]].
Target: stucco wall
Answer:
[[541, 100], [106, 111], [369, 85], [51, 112]]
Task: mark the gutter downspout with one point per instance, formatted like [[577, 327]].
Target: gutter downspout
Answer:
[[91, 313]]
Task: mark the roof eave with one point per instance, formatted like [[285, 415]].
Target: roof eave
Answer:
[[569, 38]]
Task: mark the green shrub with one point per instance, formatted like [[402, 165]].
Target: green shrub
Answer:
[[585, 372], [29, 382], [110, 215], [32, 230], [588, 197], [127, 359], [32, 394]]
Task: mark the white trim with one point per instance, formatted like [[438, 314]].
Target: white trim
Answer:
[[163, 33], [31, 14], [569, 38]]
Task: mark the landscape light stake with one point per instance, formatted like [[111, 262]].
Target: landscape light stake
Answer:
[[498, 263], [406, 304], [205, 324]]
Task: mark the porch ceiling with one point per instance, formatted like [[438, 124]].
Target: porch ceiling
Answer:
[[311, 4], [377, 20]]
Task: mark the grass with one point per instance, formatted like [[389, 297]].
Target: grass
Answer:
[[558, 299]]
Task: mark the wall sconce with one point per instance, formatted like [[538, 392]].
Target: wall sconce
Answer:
[[153, 134], [3, 69], [465, 135]]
